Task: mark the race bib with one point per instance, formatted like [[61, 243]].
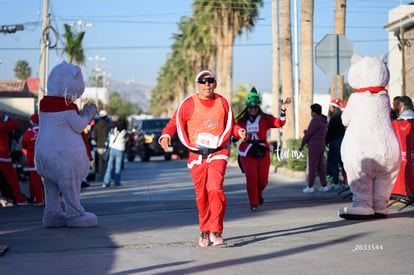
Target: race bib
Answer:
[[206, 140], [252, 127]]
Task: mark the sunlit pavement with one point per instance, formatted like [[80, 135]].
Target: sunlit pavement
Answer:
[[149, 225]]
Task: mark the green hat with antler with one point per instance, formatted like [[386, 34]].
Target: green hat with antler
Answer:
[[253, 98]]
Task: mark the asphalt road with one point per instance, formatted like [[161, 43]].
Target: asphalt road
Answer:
[[149, 225]]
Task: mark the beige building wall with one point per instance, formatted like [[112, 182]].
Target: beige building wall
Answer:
[[394, 54], [23, 106]]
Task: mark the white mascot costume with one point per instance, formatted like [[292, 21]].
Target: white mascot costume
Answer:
[[62, 154], [370, 149]]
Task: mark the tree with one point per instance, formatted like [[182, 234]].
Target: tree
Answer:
[[73, 47], [286, 68], [238, 102], [121, 107], [200, 44], [275, 133], [306, 69], [22, 70], [339, 28], [226, 18]]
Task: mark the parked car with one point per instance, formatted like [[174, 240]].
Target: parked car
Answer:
[[143, 141]]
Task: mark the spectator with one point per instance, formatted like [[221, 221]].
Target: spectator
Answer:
[[394, 109], [405, 108], [91, 142], [7, 197], [28, 145], [404, 128], [315, 138], [205, 123], [7, 124], [334, 136], [100, 135], [117, 140], [254, 153]]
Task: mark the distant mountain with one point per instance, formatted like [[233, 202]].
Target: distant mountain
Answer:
[[135, 92]]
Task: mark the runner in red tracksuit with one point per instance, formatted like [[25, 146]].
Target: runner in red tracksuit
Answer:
[[204, 123], [7, 124], [28, 145], [254, 153]]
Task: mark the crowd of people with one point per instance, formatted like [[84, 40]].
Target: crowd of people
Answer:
[[328, 132], [107, 134], [324, 132]]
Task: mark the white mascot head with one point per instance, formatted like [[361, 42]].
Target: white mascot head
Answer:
[[368, 71], [66, 80]]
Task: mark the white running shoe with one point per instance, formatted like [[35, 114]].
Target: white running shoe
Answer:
[[204, 240], [325, 188], [216, 239], [308, 190]]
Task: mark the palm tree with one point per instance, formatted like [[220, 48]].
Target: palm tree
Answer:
[[73, 47], [275, 133], [286, 68], [191, 52], [22, 70], [306, 69], [226, 19], [339, 28]]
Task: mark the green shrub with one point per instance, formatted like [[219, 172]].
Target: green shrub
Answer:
[[289, 156]]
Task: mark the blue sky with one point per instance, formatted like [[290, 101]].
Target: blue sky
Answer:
[[135, 36]]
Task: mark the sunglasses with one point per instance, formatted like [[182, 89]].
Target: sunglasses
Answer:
[[209, 80], [253, 107]]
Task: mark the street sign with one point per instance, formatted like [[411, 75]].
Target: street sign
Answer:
[[333, 54]]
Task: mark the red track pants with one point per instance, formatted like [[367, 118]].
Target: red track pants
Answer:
[[9, 172], [36, 187], [257, 175], [211, 202]]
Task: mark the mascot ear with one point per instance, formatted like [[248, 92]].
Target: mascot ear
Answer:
[[356, 58], [383, 57]]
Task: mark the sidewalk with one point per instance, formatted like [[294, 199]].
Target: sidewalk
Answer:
[[149, 225]]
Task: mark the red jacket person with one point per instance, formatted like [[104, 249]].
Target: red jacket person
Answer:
[[204, 123], [254, 153]]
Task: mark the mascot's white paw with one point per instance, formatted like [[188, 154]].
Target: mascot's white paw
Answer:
[[56, 220], [356, 213], [87, 220]]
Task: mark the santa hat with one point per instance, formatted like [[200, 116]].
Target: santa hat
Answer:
[[204, 72], [336, 103], [253, 98], [34, 119]]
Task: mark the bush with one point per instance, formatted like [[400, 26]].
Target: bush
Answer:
[[290, 157]]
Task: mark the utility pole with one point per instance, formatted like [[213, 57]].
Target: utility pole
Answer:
[[81, 24], [44, 51], [97, 58]]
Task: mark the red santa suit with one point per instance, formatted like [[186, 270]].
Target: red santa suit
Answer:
[[6, 165], [205, 133], [256, 166], [28, 145]]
